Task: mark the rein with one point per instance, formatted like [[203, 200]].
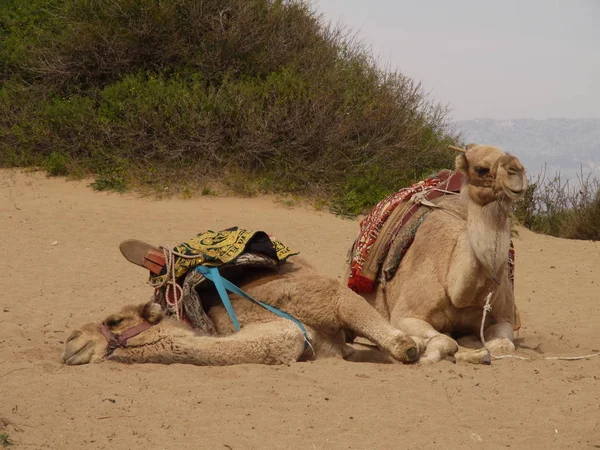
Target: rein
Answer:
[[115, 342], [493, 279]]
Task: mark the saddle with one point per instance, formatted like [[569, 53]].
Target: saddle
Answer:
[[395, 219], [232, 251], [388, 231]]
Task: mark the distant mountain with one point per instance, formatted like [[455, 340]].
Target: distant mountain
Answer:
[[562, 144]]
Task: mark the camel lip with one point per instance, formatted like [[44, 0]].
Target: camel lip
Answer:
[[72, 357], [514, 193]]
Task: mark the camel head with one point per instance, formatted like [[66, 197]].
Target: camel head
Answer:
[[89, 344], [491, 174]]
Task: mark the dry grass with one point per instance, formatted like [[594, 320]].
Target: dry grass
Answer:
[[567, 209]]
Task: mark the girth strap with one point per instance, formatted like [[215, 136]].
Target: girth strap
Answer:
[[223, 285]]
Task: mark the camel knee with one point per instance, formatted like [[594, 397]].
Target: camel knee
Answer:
[[499, 338], [502, 330]]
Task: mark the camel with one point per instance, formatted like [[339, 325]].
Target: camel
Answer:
[[439, 291], [459, 259], [324, 306]]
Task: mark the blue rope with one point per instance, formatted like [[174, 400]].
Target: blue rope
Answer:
[[223, 285]]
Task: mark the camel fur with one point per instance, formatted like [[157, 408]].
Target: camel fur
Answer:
[[323, 305], [441, 285]]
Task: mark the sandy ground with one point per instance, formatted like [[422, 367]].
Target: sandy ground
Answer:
[[61, 267]]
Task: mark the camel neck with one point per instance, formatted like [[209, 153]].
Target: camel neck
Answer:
[[488, 232]]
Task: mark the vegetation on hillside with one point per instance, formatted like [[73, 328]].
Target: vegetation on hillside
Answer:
[[258, 94], [250, 95], [562, 208]]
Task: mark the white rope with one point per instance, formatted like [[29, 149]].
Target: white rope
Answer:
[[420, 198], [572, 358], [170, 280], [560, 358], [486, 309]]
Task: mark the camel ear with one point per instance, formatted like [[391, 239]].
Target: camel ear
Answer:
[[152, 312], [469, 146], [462, 165]]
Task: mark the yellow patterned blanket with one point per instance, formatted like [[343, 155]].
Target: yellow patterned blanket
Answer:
[[216, 248]]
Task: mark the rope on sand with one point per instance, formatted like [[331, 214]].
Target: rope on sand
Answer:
[[487, 308], [560, 358]]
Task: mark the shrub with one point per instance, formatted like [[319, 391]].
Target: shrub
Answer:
[[557, 208], [154, 92]]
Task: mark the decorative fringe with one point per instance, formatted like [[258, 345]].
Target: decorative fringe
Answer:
[[360, 284]]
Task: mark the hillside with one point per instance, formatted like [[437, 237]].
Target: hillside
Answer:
[[327, 404], [258, 95]]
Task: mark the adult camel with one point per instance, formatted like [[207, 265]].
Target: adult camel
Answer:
[[457, 267]]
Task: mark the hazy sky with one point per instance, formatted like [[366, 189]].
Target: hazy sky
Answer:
[[487, 58]]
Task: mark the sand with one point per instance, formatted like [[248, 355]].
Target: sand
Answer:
[[62, 267]]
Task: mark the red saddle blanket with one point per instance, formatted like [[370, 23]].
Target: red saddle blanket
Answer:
[[364, 271]]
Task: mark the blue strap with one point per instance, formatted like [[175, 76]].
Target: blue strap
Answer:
[[212, 273], [223, 285]]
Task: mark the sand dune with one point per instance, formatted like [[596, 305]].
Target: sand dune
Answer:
[[61, 267]]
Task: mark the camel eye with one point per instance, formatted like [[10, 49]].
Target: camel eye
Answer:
[[113, 321], [482, 171]]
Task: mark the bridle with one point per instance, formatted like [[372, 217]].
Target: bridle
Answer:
[[115, 342], [487, 181]]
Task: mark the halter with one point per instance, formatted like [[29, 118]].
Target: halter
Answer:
[[115, 342]]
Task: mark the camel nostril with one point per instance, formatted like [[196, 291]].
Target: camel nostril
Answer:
[[515, 192], [74, 335]]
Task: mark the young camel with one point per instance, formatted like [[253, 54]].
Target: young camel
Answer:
[[444, 279], [324, 306]]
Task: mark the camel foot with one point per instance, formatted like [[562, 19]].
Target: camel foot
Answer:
[[487, 359], [501, 346], [450, 358], [440, 347], [404, 349], [478, 356]]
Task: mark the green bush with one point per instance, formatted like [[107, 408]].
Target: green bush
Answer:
[[556, 208], [584, 222], [159, 93]]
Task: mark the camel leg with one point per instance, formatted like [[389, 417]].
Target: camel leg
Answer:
[[499, 338], [356, 314], [439, 346], [472, 351], [275, 342]]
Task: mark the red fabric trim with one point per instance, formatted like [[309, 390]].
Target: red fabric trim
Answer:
[[370, 226]]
